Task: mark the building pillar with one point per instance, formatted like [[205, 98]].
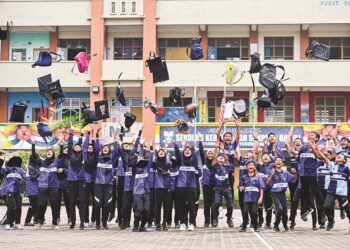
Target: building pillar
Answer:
[[5, 50], [3, 106], [53, 41], [304, 106], [148, 88], [97, 47], [304, 43], [253, 39], [204, 43]]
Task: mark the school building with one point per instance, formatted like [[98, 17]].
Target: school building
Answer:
[[123, 32]]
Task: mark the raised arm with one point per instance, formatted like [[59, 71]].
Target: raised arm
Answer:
[[255, 146], [272, 173], [136, 145], [238, 130], [70, 141], [86, 144], [194, 156], [80, 141], [215, 153], [218, 132], [115, 155], [151, 156], [201, 149], [177, 153]]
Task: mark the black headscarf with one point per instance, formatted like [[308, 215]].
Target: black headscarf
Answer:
[[76, 159]]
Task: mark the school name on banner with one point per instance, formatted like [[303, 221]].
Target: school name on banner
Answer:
[[169, 133]]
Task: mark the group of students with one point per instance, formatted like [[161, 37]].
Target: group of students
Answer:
[[147, 181]]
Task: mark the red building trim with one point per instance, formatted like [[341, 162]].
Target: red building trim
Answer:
[[313, 95]]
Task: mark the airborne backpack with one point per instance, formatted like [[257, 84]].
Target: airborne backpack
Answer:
[[45, 59], [176, 94], [88, 115], [82, 61], [318, 50], [195, 51], [18, 111], [255, 65], [232, 71], [267, 77], [44, 131], [119, 92]]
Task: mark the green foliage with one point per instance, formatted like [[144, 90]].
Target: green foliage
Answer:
[[66, 122]]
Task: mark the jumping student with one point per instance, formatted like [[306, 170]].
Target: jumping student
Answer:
[[104, 182], [207, 182], [221, 170], [279, 180], [32, 186], [253, 186], [14, 173], [48, 185], [141, 190], [120, 185], [271, 147], [186, 184], [174, 173]]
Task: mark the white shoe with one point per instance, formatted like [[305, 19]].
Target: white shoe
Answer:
[[91, 224], [18, 227], [86, 224], [221, 213], [8, 227], [182, 227], [39, 226], [191, 227], [55, 227]]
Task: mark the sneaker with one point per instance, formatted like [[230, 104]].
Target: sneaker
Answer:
[[105, 227], [230, 223], [275, 229], [86, 224], [243, 229], [342, 214], [55, 227], [182, 227], [135, 229], [123, 226], [286, 228], [215, 223], [292, 226], [143, 229], [98, 227], [28, 224], [39, 226], [72, 226], [69, 221], [307, 212], [82, 226], [17, 227], [323, 226], [304, 219], [330, 225], [177, 225], [314, 227], [190, 227], [268, 226], [158, 228], [165, 227], [206, 225], [257, 230], [8, 227], [168, 224], [221, 213]]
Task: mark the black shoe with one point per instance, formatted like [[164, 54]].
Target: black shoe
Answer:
[[158, 228], [206, 225], [276, 228], [177, 225], [330, 225], [230, 223], [98, 227], [123, 226], [342, 214], [105, 227], [143, 229], [314, 227], [257, 230], [81, 226], [168, 224], [28, 224], [215, 222], [306, 213], [135, 229], [243, 229], [164, 227], [292, 226], [72, 225], [268, 226], [111, 217], [323, 226], [286, 228]]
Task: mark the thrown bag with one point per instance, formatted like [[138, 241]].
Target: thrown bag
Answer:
[[88, 115], [43, 81], [195, 51], [150, 104], [267, 77], [239, 108], [162, 75], [264, 102], [160, 112], [129, 120], [101, 110], [176, 94], [191, 110], [4, 33], [278, 93], [18, 111], [56, 92], [182, 126], [44, 131], [232, 71], [318, 50], [228, 111], [82, 61], [157, 67], [119, 92], [45, 59], [255, 65]]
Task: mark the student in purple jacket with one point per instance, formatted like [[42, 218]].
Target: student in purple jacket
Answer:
[[271, 147], [32, 186], [174, 173], [253, 186], [14, 173], [48, 185], [62, 182], [278, 180]]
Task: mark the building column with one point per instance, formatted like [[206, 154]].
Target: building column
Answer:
[[304, 43], [3, 106], [253, 38], [97, 47], [204, 42], [53, 41], [148, 88], [304, 106], [5, 50]]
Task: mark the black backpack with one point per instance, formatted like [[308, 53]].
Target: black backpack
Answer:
[[4, 33], [318, 50], [255, 65], [176, 94], [157, 67], [278, 93], [129, 120], [18, 111], [88, 115], [267, 77], [119, 92]]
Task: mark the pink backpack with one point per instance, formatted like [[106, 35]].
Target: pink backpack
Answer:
[[83, 61]]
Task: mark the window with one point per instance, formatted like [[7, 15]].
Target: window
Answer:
[[133, 7], [174, 48], [19, 55], [71, 107], [113, 7], [279, 48], [283, 111], [133, 105], [127, 48], [228, 48], [329, 108], [123, 7], [214, 107], [185, 101], [339, 46], [71, 47]]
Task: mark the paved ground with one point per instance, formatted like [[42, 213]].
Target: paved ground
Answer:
[[220, 238]]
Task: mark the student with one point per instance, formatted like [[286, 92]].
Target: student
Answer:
[[62, 182], [162, 186], [174, 173], [120, 185], [104, 182], [221, 170], [207, 182], [271, 147], [338, 186], [186, 184], [152, 195], [12, 169], [141, 190], [90, 154], [253, 186], [48, 185], [32, 186], [279, 180]]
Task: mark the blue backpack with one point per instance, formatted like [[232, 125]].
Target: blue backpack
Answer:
[[196, 51], [44, 131], [45, 59]]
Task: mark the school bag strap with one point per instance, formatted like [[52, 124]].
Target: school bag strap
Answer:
[[282, 68], [152, 54]]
